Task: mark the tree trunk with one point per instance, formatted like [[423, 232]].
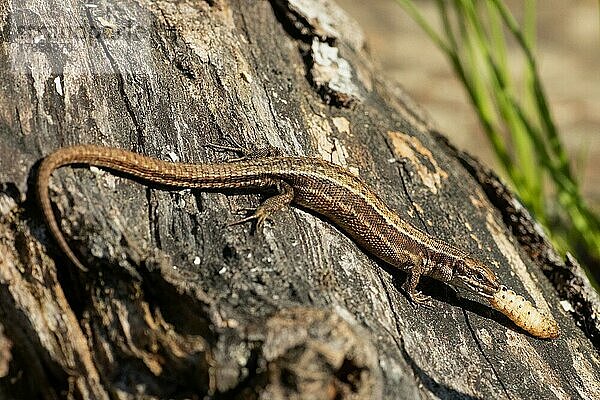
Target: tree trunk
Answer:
[[179, 305]]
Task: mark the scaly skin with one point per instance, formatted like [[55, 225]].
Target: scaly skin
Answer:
[[325, 188]]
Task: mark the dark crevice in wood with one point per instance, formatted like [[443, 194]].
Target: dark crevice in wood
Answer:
[[435, 388], [187, 314], [484, 353], [129, 107], [28, 358], [294, 24]]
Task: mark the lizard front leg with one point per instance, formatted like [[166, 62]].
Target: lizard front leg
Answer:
[[415, 270], [271, 205]]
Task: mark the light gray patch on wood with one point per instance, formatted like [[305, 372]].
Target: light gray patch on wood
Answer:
[[333, 75]]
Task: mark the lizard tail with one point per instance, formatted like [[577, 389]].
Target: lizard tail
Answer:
[[136, 166], [115, 159], [47, 166]]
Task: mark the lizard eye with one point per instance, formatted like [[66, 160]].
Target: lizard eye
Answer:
[[479, 277]]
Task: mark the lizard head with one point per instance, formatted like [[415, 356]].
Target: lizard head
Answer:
[[475, 276]]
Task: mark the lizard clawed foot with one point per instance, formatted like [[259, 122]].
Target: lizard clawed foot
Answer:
[[260, 215], [223, 148], [271, 205], [247, 154], [234, 149], [244, 210], [417, 298]]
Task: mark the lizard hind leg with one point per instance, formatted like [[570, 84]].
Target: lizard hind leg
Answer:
[[246, 153], [271, 205]]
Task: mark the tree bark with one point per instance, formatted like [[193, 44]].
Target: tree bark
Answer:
[[177, 304]]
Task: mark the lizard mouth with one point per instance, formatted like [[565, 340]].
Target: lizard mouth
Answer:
[[479, 288]]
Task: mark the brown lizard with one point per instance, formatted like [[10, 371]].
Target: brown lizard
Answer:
[[323, 187]]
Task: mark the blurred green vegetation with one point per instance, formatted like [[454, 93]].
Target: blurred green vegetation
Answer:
[[514, 113]]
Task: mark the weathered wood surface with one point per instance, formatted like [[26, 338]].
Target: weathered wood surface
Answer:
[[177, 305]]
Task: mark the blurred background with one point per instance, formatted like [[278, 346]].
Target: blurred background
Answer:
[[568, 54], [566, 46]]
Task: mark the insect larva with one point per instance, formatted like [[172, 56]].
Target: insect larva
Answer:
[[524, 314]]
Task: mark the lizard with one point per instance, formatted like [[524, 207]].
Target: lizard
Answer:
[[320, 186]]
